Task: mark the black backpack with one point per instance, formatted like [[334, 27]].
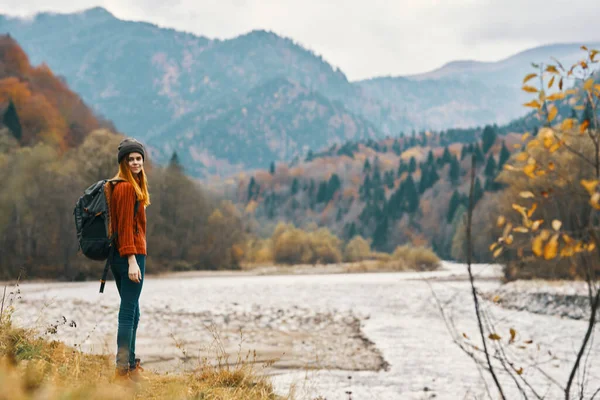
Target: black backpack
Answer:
[[92, 220]]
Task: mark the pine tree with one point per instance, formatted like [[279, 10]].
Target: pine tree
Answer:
[[463, 152], [389, 179], [488, 138], [272, 168], [251, 188], [295, 185], [447, 156], [309, 156], [430, 158], [490, 167], [411, 195], [412, 165], [454, 173], [322, 192], [402, 168], [12, 122], [504, 156], [367, 167], [174, 162], [396, 147]]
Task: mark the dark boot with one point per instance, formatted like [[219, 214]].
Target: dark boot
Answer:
[[122, 377]]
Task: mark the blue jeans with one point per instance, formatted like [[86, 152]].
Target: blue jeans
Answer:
[[129, 311]]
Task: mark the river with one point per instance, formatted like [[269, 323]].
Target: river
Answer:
[[339, 336]]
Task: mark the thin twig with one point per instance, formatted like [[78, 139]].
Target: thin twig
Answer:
[[471, 279]]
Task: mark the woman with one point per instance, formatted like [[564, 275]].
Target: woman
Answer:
[[128, 221]]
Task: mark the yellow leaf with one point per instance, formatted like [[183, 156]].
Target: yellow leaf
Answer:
[[551, 165], [509, 167], [540, 172], [494, 336], [536, 225], [556, 224], [552, 114], [591, 247], [583, 64], [529, 89], [532, 210], [584, 125], [589, 185], [595, 201], [528, 170], [556, 96], [501, 220], [588, 84], [567, 124], [533, 143], [521, 229], [522, 156], [537, 246], [509, 239], [526, 195], [551, 69], [513, 334], [520, 371], [465, 335], [493, 246], [584, 48], [551, 248], [533, 104], [567, 251], [496, 299], [560, 84], [548, 141], [551, 82], [507, 229], [525, 136], [567, 239], [529, 77], [570, 92], [498, 252]]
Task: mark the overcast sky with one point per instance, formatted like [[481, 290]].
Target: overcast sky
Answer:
[[366, 38]]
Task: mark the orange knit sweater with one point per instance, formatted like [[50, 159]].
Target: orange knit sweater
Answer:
[[131, 234]]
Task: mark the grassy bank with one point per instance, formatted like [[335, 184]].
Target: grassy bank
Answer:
[[32, 368]]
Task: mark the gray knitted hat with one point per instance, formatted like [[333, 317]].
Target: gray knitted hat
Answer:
[[130, 145]]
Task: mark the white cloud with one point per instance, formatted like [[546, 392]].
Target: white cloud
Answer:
[[368, 38]]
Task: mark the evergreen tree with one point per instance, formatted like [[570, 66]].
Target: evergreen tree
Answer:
[[322, 192], [367, 167], [488, 138], [463, 152], [430, 158], [380, 235], [479, 157], [402, 168], [351, 231], [333, 186], [340, 214], [295, 184], [504, 156], [251, 188], [12, 122], [389, 179], [396, 147], [454, 204], [174, 162], [490, 167], [365, 189], [272, 168], [454, 173], [309, 156], [411, 195], [447, 156], [412, 165], [424, 182]]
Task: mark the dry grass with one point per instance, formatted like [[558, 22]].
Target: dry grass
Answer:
[[36, 368], [404, 258]]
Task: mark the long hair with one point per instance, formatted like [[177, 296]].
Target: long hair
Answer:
[[140, 187]]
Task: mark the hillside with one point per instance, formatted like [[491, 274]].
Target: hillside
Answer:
[[36, 106]]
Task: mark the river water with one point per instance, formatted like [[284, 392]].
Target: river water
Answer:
[[397, 313]]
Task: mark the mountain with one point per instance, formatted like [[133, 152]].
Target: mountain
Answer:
[[511, 70], [179, 91]]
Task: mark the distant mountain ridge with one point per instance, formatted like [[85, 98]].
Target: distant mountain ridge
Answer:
[[187, 93]]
